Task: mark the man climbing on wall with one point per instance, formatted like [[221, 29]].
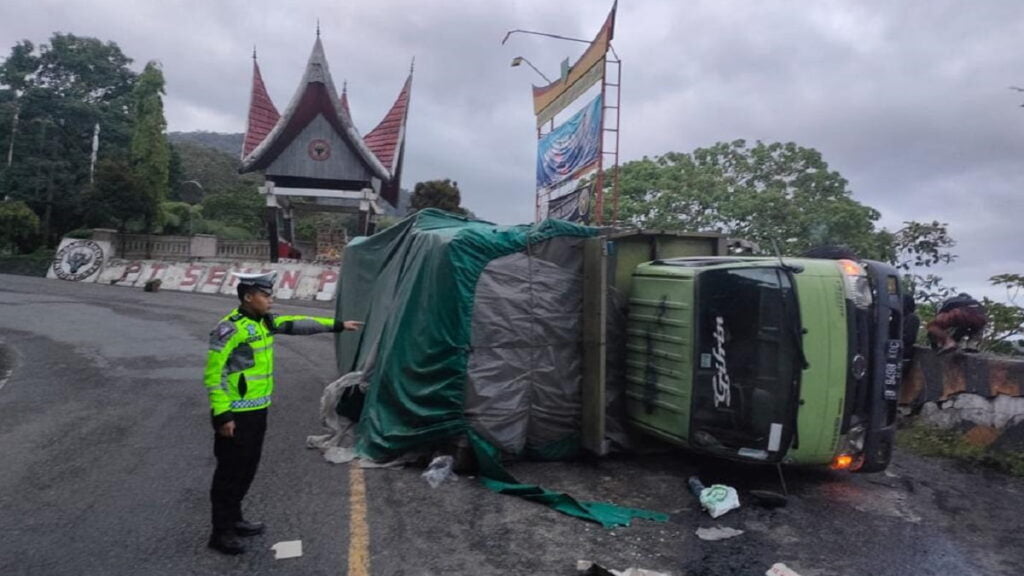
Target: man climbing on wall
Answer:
[[239, 379], [958, 318]]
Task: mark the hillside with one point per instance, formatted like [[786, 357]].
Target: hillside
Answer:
[[230, 144]]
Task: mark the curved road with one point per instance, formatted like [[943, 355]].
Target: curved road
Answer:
[[105, 463]]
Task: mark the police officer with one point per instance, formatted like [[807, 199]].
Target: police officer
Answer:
[[239, 378]]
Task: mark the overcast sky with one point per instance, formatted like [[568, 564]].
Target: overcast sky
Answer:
[[910, 101]]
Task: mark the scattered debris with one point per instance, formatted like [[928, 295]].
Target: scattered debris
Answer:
[[289, 549], [588, 568], [768, 498], [440, 469], [339, 454], [780, 569], [717, 533], [717, 499]]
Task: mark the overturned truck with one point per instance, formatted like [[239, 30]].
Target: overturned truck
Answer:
[[537, 341]]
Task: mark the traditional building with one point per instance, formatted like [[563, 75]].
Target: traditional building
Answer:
[[314, 159]]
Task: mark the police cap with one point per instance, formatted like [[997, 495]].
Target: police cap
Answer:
[[264, 282]]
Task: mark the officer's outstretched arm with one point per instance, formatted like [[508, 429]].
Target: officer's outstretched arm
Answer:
[[222, 342], [303, 325]]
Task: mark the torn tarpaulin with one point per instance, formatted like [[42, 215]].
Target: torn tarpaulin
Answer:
[[338, 446], [496, 478]]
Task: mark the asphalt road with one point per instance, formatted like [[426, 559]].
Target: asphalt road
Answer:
[[106, 458]]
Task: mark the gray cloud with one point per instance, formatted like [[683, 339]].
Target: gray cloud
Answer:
[[909, 101]]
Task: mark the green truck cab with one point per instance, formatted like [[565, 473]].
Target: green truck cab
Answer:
[[793, 361]]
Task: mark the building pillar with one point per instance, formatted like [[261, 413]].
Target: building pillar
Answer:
[[271, 215]]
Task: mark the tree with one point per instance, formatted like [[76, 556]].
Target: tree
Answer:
[[175, 173], [14, 74], [440, 194], [149, 151], [115, 199], [19, 227], [780, 192], [920, 245], [51, 98], [1005, 320], [240, 208]]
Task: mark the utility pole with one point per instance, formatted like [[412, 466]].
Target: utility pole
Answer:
[[14, 131]]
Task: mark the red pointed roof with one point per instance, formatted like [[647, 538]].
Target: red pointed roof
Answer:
[[385, 141], [263, 114], [316, 96]]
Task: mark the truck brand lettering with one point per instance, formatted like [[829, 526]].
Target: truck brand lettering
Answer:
[[720, 382]]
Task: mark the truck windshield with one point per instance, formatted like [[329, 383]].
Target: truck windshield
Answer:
[[748, 357]]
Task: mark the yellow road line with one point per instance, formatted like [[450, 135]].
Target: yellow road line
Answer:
[[358, 529]]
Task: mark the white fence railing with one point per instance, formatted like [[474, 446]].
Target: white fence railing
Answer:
[[183, 248]]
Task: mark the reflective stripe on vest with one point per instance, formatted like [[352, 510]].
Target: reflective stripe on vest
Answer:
[[250, 403]]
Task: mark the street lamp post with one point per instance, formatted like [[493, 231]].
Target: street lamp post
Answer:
[[520, 60]]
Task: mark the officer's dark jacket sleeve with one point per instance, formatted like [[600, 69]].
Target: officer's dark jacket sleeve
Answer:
[[303, 325]]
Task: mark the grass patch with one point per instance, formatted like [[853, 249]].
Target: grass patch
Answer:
[[35, 264], [927, 441]]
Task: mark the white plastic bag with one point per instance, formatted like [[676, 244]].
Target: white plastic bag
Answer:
[[717, 499], [440, 469]]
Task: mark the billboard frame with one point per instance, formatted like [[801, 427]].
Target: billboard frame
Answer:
[[554, 98]]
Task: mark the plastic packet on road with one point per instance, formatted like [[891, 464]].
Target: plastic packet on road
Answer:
[[439, 471], [780, 569], [717, 499], [717, 533], [289, 549]]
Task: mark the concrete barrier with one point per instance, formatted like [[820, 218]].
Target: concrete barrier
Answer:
[[89, 261], [980, 395], [933, 378], [80, 260]]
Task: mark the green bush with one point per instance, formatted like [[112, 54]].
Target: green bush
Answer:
[[34, 264], [19, 228]]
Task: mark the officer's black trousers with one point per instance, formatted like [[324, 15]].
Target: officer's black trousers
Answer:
[[237, 461]]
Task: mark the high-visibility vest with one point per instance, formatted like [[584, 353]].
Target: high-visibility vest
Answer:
[[239, 373]]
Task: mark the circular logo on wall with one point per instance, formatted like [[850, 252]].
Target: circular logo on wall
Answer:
[[78, 260], [319, 149], [583, 206]]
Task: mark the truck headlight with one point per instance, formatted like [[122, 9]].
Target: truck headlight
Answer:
[[855, 282]]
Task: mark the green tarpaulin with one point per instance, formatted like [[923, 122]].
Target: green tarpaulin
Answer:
[[416, 287]]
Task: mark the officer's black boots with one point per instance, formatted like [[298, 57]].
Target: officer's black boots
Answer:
[[243, 528], [226, 542]]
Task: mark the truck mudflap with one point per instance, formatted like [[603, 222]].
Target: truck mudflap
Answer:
[[886, 371]]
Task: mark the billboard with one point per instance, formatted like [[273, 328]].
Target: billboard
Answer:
[[571, 148], [588, 70], [574, 206]]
